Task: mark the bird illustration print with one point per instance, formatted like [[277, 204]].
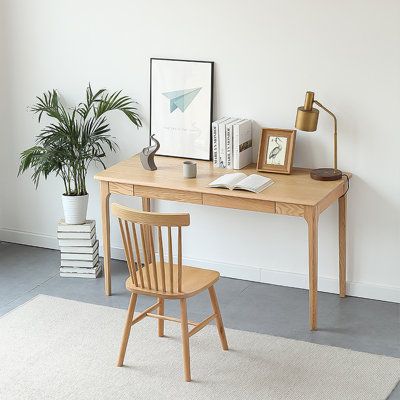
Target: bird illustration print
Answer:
[[273, 154]]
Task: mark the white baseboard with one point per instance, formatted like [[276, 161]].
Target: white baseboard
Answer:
[[29, 238], [296, 280], [284, 278], [255, 274]]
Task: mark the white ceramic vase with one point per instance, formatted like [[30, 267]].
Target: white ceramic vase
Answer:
[[75, 209]]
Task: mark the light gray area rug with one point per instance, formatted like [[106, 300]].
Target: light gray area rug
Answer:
[[52, 348]]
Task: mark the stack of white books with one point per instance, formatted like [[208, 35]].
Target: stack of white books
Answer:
[[232, 143], [79, 250]]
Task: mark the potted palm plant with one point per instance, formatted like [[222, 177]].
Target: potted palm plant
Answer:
[[72, 141]]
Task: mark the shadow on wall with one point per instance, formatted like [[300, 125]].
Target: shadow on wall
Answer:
[[366, 203], [256, 134], [302, 151], [385, 233]]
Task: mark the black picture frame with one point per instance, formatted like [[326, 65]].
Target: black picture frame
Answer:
[[203, 153]]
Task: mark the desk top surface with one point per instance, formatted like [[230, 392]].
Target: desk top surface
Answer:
[[296, 188]]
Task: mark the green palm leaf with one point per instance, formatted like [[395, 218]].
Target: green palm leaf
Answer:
[[75, 137]]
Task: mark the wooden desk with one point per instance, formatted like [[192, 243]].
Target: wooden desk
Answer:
[[296, 194]]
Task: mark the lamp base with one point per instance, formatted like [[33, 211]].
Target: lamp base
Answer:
[[326, 174]]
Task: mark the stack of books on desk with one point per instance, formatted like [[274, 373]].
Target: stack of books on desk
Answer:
[[232, 143], [79, 250]]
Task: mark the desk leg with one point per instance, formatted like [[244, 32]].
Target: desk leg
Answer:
[[147, 207], [311, 216], [342, 245], [105, 221]]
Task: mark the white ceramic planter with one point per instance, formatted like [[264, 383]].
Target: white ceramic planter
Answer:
[[75, 209]]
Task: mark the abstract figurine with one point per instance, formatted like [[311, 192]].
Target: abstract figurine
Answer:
[[148, 153]]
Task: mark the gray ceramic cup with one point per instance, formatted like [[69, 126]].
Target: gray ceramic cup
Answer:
[[189, 169]]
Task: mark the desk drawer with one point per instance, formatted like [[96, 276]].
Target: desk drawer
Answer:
[[296, 210], [121, 188], [239, 203], [167, 194]]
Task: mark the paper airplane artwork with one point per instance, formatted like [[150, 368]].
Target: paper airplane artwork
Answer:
[[181, 98]]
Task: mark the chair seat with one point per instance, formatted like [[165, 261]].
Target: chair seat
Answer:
[[194, 280]]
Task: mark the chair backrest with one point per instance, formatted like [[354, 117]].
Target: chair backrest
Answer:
[[166, 278]]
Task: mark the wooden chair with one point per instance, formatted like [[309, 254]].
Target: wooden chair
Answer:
[[161, 279]]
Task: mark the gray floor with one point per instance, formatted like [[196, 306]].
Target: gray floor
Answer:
[[359, 324]]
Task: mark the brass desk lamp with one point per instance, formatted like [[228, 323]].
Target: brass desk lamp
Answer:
[[307, 120]]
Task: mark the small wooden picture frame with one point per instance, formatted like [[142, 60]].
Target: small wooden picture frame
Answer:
[[276, 150]]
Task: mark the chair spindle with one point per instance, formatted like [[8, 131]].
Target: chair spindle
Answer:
[[138, 258], [130, 252], [153, 256], [171, 261], [145, 254], [179, 259], [124, 240], [161, 253]]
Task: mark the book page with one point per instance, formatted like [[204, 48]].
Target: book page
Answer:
[[228, 180], [254, 183]]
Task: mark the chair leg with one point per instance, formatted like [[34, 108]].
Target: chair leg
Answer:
[[185, 340], [218, 319], [161, 321], [127, 329]]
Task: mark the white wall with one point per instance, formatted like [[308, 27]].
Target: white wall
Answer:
[[267, 55], [3, 113]]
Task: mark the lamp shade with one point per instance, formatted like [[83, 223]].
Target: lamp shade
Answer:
[[307, 116]]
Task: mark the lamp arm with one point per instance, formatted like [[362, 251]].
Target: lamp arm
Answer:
[[334, 132]]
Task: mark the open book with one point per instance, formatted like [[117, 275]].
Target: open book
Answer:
[[252, 183]]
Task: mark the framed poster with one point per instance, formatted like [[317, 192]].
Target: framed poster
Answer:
[[181, 102]]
